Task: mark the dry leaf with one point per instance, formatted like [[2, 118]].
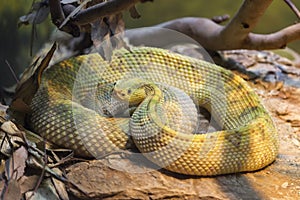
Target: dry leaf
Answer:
[[15, 165], [12, 191], [60, 186], [107, 35], [3, 109], [134, 13], [27, 87], [28, 183], [10, 128], [38, 13], [45, 191]]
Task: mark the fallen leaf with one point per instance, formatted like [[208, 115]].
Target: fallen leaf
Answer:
[[28, 183], [15, 165], [60, 186], [12, 191], [38, 13], [10, 128], [28, 86], [45, 191]]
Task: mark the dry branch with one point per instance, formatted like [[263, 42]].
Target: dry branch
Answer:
[[243, 22], [210, 36], [103, 9], [235, 35]]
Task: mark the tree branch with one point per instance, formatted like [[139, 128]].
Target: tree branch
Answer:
[[244, 21], [102, 10], [275, 40], [58, 17], [235, 35], [209, 35]]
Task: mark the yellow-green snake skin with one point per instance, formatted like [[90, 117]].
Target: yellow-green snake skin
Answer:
[[69, 110]]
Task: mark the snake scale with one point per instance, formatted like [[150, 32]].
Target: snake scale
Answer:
[[69, 109]]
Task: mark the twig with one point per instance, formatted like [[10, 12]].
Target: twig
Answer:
[[220, 19], [58, 18], [42, 173], [293, 7], [73, 12], [12, 71]]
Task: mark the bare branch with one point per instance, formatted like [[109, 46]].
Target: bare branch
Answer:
[[102, 10], [274, 40], [244, 21], [58, 17], [208, 34], [235, 35]]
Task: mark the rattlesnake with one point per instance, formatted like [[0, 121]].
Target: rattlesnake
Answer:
[[67, 110]]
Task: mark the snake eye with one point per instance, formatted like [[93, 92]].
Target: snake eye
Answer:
[[129, 91]]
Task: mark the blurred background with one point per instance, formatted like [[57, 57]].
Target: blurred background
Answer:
[[15, 42]]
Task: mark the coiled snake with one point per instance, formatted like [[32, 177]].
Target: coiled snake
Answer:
[[77, 106]]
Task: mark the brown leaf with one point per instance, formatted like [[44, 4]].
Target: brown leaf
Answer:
[[14, 139], [28, 183], [39, 13], [60, 186], [3, 110], [2, 168], [10, 128], [15, 165], [107, 35], [12, 191], [134, 13], [27, 87], [45, 191], [20, 105]]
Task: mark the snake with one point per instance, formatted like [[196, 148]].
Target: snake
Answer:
[[149, 96]]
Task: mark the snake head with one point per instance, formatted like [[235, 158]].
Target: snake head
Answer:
[[131, 90]]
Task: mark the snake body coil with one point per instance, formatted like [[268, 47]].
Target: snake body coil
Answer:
[[70, 110]]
